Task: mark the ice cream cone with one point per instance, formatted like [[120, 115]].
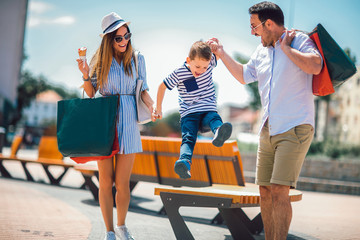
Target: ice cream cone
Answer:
[[82, 54]]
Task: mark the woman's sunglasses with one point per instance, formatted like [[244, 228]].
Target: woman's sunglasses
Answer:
[[118, 39]]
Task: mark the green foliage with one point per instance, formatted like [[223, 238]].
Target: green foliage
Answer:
[[30, 86], [350, 55], [241, 58], [173, 120], [252, 88], [170, 124], [334, 150], [64, 93], [255, 102], [247, 147]]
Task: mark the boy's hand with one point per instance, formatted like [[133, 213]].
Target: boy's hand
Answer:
[[157, 114]]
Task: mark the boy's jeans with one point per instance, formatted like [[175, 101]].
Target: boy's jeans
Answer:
[[190, 125]]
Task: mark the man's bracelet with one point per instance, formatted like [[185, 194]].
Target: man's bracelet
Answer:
[[85, 79]]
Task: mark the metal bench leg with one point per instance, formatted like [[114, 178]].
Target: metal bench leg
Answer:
[[177, 222], [132, 185], [27, 173], [240, 226], [218, 220], [52, 179], [3, 170], [162, 211], [173, 201], [91, 186]]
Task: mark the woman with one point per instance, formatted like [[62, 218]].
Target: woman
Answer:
[[112, 71]]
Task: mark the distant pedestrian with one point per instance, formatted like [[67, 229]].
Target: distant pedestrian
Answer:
[[283, 65], [112, 71]]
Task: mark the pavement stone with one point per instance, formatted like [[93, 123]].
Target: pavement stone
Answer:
[[37, 210]]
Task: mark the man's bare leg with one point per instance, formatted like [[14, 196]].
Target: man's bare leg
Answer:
[[266, 207], [282, 211]]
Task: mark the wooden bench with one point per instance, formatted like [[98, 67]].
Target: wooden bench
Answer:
[[156, 164], [228, 193], [229, 199], [48, 155]]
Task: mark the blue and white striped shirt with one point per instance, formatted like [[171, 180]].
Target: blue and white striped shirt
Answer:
[[195, 94], [118, 82]]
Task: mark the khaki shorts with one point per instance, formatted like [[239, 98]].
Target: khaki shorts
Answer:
[[280, 157]]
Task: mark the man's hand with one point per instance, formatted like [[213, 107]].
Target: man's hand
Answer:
[[216, 47], [308, 62], [288, 38]]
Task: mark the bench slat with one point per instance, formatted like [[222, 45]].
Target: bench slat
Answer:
[[249, 194]]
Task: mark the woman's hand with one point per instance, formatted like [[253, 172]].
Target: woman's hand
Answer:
[[145, 96], [84, 69]]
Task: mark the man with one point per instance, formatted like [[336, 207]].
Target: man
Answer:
[[283, 64]]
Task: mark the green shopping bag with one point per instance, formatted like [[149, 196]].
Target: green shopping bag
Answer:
[[337, 68], [86, 127]]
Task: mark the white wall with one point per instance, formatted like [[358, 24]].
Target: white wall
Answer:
[[12, 26]]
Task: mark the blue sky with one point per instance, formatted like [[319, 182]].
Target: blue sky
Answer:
[[164, 30]]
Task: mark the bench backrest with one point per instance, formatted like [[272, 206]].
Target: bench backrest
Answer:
[[15, 145], [48, 149], [210, 165]]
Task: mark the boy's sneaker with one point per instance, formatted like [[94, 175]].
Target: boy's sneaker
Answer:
[[122, 232], [182, 168], [222, 134], [110, 236]]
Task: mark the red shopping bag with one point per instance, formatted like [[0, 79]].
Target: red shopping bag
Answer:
[[321, 83], [115, 150], [337, 66]]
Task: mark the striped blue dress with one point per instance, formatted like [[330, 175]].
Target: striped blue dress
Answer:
[[118, 82]]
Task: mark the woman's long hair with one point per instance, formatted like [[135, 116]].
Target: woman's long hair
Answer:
[[101, 61]]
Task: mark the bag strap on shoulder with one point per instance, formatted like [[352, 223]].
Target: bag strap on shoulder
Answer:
[[136, 60]]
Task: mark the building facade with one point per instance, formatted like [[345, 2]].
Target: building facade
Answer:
[[42, 111], [349, 110]]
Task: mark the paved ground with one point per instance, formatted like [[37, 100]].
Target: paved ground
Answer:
[[41, 211]]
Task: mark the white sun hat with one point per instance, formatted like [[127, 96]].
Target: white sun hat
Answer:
[[112, 22]]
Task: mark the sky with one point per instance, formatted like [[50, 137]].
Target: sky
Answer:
[[163, 31]]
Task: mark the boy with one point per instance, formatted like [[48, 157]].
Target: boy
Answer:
[[197, 103]]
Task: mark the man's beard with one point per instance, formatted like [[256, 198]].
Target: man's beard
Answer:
[[267, 38]]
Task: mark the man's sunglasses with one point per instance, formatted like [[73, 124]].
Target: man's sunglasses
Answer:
[[118, 39]]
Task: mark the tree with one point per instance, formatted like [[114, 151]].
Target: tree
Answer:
[[30, 86], [173, 120], [352, 57], [252, 88]]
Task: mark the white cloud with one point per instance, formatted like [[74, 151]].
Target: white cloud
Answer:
[[36, 21], [39, 7], [33, 21], [36, 12], [65, 20]]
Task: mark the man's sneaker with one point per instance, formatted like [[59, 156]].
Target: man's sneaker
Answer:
[[110, 236], [222, 134], [182, 168], [122, 232]]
